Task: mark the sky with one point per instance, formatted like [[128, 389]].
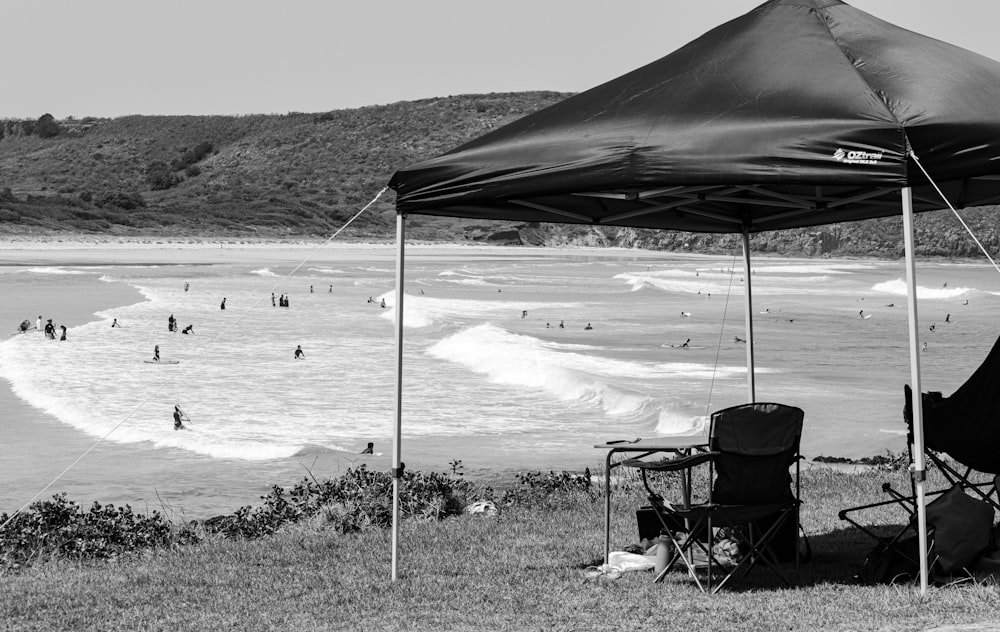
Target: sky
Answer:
[[111, 58]]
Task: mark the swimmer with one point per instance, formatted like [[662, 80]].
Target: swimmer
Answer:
[[383, 303], [25, 326], [185, 286], [370, 449], [932, 327], [924, 348], [188, 330], [273, 304], [685, 314], [310, 289], [223, 305], [299, 354], [114, 323], [947, 318], [561, 325], [588, 327], [524, 314], [331, 290], [63, 337]]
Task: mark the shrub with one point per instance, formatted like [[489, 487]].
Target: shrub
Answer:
[[359, 500], [59, 528], [159, 177]]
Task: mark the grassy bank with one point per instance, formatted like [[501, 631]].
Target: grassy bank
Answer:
[[519, 570]]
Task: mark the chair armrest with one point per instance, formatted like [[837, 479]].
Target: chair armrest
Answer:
[[674, 464]]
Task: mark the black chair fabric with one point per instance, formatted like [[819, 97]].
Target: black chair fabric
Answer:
[[965, 425], [756, 445]]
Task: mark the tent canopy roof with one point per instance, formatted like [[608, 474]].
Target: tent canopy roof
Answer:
[[799, 113]]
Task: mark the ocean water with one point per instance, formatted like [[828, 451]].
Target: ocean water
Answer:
[[511, 360]]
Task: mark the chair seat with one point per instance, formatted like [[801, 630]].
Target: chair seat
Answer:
[[736, 514]]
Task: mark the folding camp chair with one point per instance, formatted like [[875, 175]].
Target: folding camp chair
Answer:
[[963, 427], [751, 500]]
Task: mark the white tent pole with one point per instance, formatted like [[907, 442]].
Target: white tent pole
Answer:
[[397, 466], [748, 315], [917, 467]]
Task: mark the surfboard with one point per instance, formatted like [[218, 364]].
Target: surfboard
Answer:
[[682, 347], [162, 362]]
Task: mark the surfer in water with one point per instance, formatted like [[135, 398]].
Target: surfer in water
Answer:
[[179, 418], [114, 323], [188, 330], [156, 353], [369, 450], [299, 354], [25, 326], [685, 345], [588, 327]]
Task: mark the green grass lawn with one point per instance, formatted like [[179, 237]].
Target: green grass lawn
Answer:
[[521, 570]]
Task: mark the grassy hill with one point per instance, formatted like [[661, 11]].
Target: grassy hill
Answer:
[[303, 175]]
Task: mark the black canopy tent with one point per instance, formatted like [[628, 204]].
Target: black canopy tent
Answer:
[[799, 113]]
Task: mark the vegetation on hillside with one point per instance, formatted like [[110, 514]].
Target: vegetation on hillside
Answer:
[[304, 175]]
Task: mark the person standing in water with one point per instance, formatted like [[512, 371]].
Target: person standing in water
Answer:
[[38, 324], [63, 337], [156, 353], [179, 418], [223, 305], [299, 354], [114, 323], [171, 323]]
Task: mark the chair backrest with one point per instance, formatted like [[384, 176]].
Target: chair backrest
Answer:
[[757, 443]]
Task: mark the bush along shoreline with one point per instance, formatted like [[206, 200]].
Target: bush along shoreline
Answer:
[[359, 500]]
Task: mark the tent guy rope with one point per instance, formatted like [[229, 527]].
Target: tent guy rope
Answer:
[[952, 208]]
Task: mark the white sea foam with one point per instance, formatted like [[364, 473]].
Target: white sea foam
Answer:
[[671, 422], [897, 287], [327, 270], [264, 272], [421, 311], [52, 270], [524, 361]]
